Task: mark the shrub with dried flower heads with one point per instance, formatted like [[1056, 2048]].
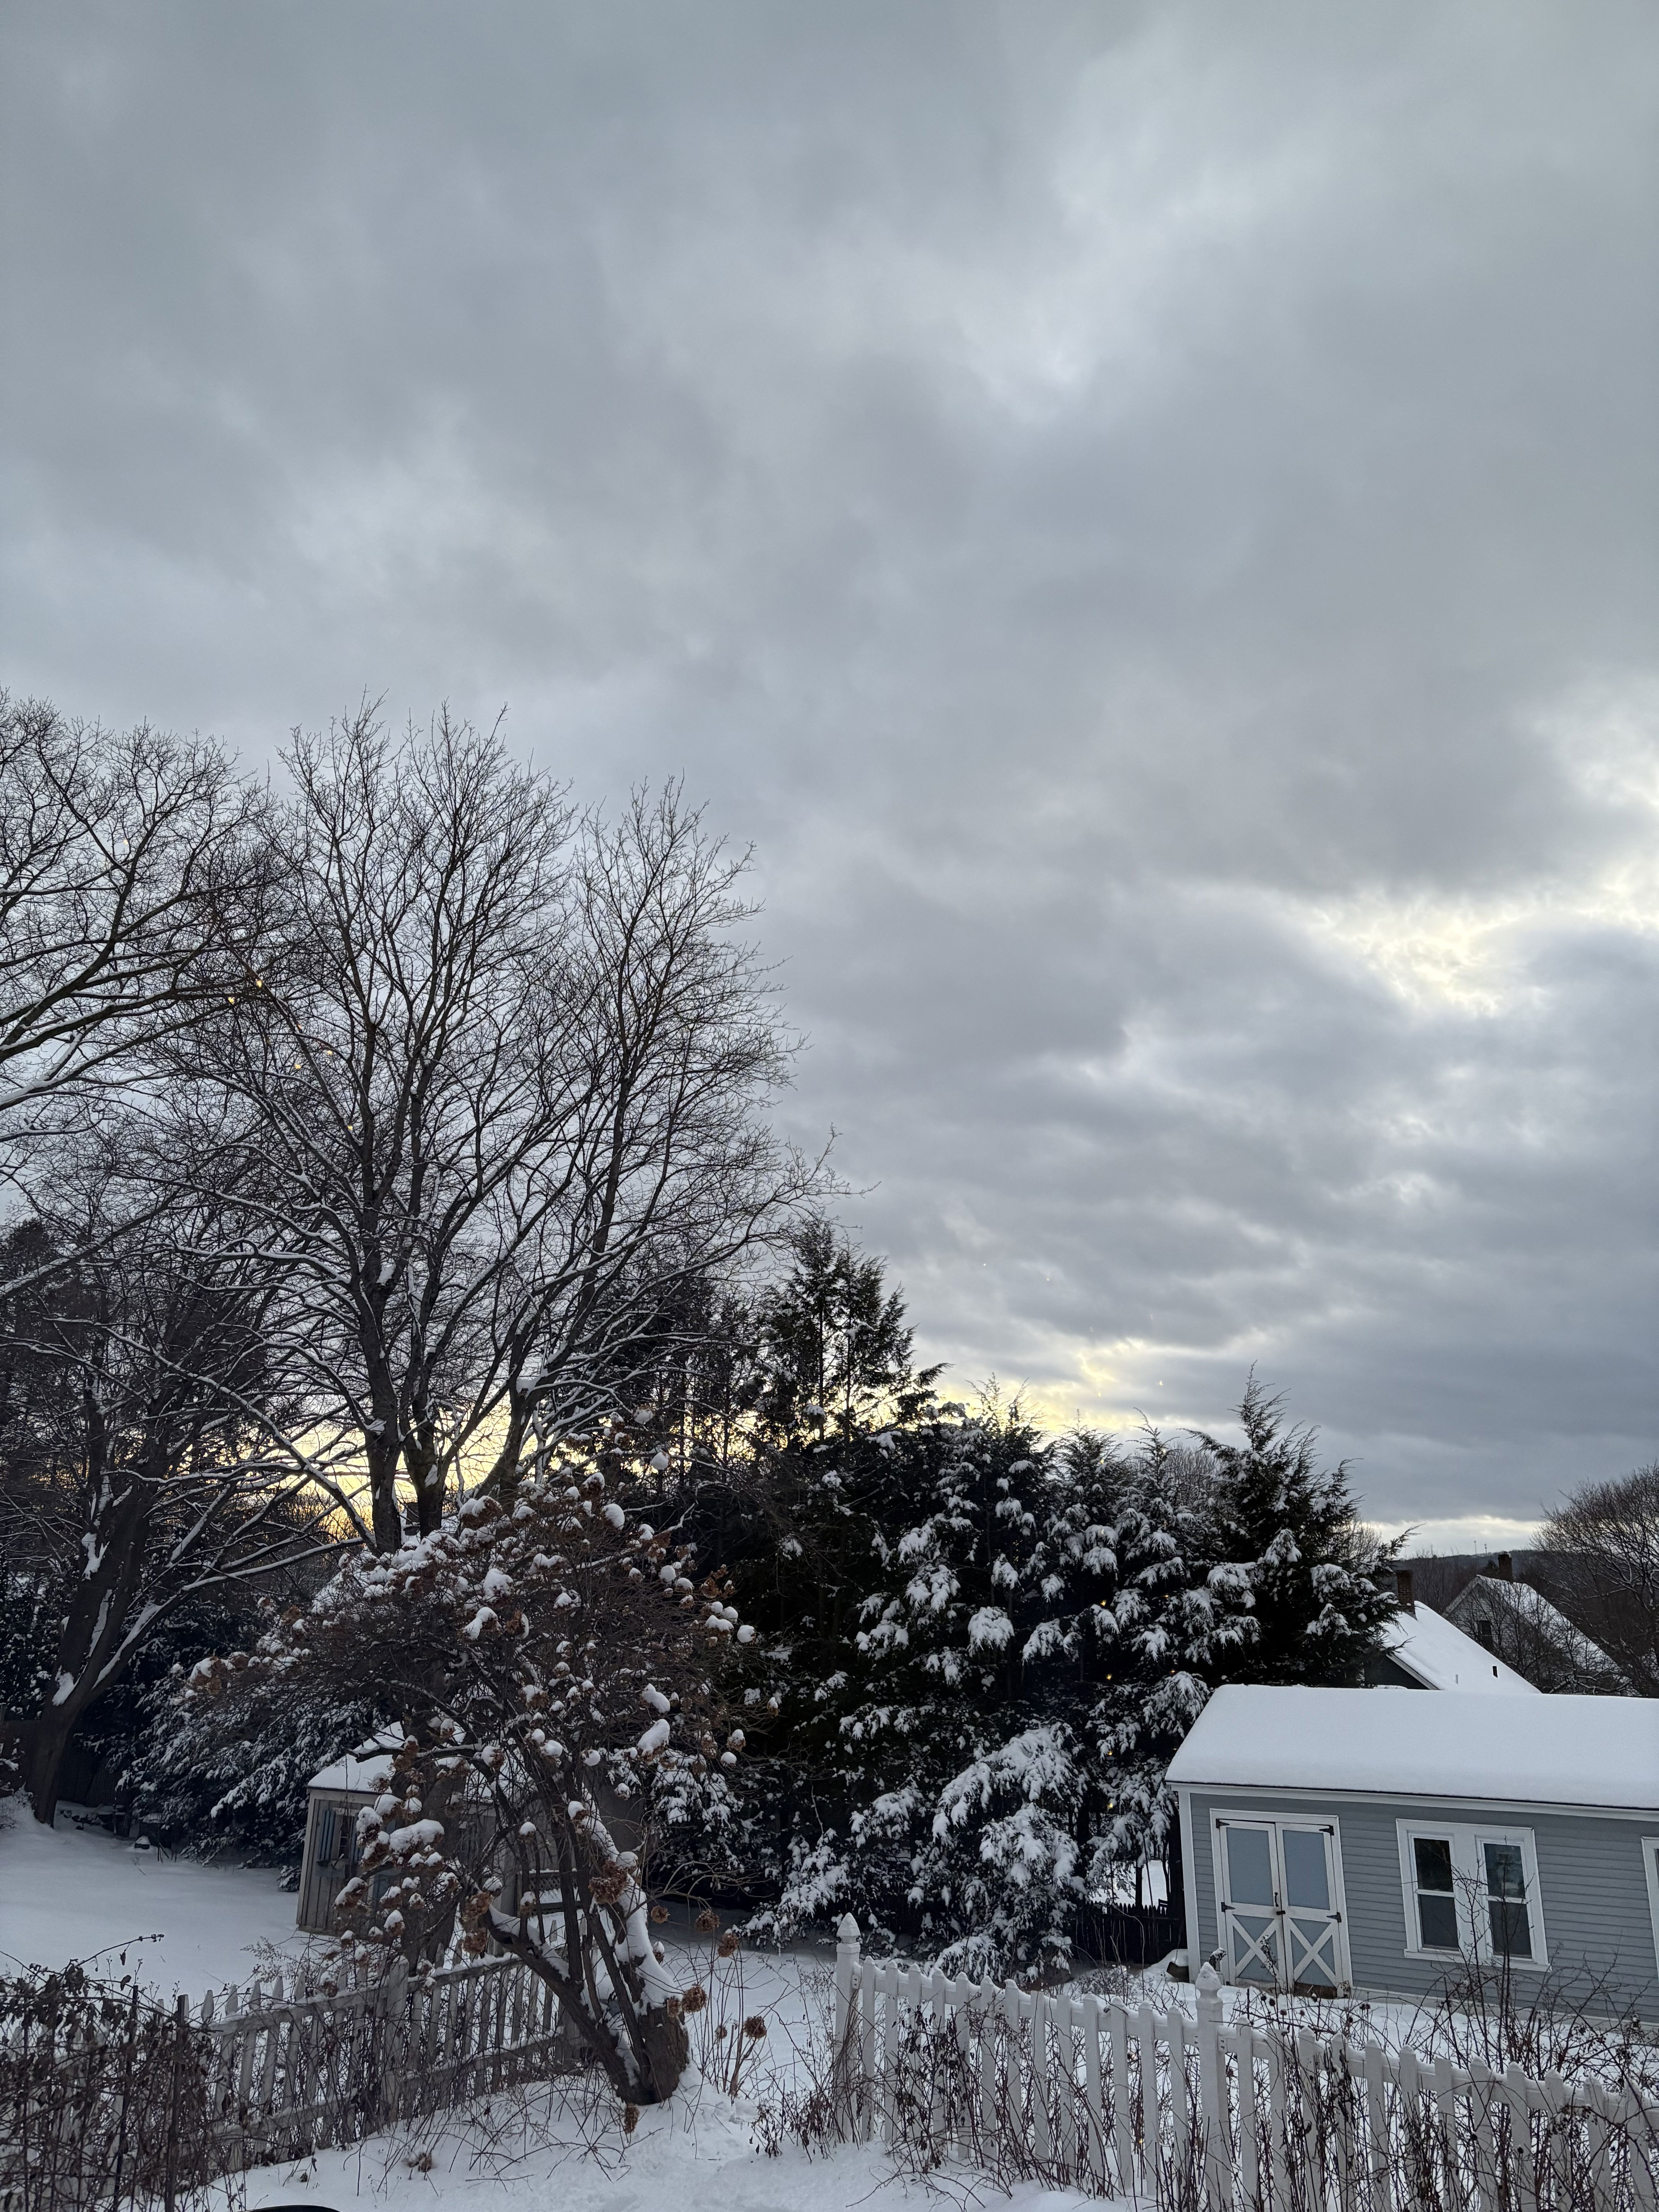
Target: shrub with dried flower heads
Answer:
[[552, 1662]]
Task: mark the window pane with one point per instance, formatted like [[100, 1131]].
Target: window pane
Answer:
[[1511, 1938], [1250, 1866], [1434, 1866], [1506, 1874], [1437, 1918], [1304, 1868], [1506, 1890]]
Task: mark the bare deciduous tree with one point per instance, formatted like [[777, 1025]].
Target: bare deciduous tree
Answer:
[[154, 1451], [1601, 1550], [498, 1076], [125, 864]]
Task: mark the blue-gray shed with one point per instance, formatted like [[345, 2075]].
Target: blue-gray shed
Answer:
[[1378, 1841]]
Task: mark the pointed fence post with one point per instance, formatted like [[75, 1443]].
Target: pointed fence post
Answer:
[[846, 1971], [1216, 2146], [851, 2058]]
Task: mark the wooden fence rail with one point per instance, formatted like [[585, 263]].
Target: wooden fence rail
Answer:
[[1200, 2114], [307, 2068], [270, 2071]]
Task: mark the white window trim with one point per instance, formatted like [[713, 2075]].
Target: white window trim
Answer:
[[1469, 1877], [1650, 1868], [1220, 1816]]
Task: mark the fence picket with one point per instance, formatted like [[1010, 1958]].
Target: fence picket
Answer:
[[1252, 2166], [870, 2043], [1123, 2136], [1640, 2126], [1379, 2175], [1184, 2122], [987, 2065], [1094, 2096], [1042, 2132]]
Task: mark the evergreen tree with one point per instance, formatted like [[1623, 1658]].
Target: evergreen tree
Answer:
[[834, 1347], [800, 1520], [1173, 1621], [949, 1749], [227, 1767], [1293, 1531], [817, 1407]]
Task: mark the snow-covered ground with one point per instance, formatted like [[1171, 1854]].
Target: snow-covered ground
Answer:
[[67, 1893], [71, 1892], [696, 2155]]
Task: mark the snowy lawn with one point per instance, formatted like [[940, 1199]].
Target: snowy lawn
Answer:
[[70, 1894], [697, 2154], [67, 1894]]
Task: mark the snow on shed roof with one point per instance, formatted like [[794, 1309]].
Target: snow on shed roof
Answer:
[[1543, 1751], [369, 1767], [1426, 1644]]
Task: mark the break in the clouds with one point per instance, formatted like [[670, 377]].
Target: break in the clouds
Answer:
[[1145, 515]]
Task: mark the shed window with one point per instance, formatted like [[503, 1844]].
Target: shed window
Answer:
[[1473, 1892], [1437, 1893], [1506, 1901]]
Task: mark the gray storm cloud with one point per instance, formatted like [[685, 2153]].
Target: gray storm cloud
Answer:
[[1145, 515]]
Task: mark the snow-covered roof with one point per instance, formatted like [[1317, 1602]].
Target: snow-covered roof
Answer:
[[1542, 1751], [1532, 1606], [1438, 1654], [369, 1767]]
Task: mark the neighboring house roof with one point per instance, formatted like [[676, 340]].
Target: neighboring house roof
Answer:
[[1551, 1751], [1440, 1656], [1488, 1594], [368, 1768]]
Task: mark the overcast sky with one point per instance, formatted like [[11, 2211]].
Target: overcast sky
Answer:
[[1145, 516]]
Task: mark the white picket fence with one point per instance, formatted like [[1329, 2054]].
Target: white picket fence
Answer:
[[1202, 2114], [298, 2066]]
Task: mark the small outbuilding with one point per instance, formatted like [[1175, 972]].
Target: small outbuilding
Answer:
[[1370, 1840], [333, 1800]]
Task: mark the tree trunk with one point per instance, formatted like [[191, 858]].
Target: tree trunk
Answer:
[[420, 1462], [667, 2048], [42, 1746], [384, 1459]]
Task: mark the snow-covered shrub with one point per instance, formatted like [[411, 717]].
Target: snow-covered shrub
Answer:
[[556, 1668]]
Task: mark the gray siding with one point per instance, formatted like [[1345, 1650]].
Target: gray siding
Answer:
[[331, 1822], [1592, 1884]]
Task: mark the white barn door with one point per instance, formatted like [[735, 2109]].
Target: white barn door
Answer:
[[1278, 1888]]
